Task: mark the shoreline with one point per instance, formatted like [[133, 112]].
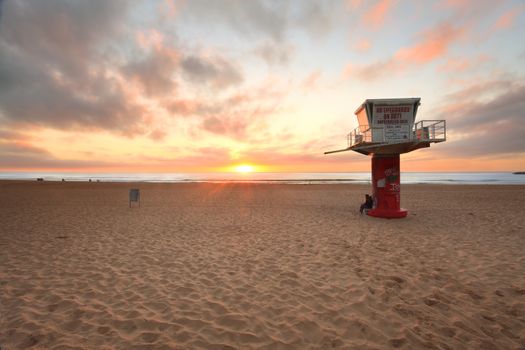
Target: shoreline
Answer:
[[445, 178], [342, 182]]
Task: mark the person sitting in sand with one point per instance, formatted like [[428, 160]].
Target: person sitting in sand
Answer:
[[368, 204]]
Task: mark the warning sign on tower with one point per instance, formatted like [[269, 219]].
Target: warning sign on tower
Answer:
[[396, 119]]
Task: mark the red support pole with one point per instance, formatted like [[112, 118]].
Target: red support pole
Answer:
[[386, 185]]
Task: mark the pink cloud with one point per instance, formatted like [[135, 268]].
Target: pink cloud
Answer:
[[506, 20], [235, 115], [184, 106], [224, 125], [375, 17], [157, 134], [150, 38], [434, 44]]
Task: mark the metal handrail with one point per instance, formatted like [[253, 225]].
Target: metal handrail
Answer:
[[423, 130], [368, 135], [430, 130]]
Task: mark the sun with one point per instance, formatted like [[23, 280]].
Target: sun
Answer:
[[244, 168]]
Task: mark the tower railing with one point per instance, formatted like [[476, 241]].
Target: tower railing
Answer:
[[422, 131], [430, 130], [368, 135]]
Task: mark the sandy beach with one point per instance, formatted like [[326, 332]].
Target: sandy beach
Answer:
[[259, 266]]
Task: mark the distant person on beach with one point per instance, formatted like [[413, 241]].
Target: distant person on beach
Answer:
[[368, 204]]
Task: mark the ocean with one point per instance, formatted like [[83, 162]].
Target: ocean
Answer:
[[478, 178]]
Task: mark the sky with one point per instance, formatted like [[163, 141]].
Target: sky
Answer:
[[209, 85]]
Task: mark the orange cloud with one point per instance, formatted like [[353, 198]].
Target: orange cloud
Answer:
[[434, 44], [184, 106], [375, 17], [506, 20], [150, 38]]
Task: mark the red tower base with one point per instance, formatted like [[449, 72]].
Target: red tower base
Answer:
[[386, 185]]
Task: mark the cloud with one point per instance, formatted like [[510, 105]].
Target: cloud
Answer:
[[463, 64], [274, 53], [211, 70], [1, 9], [7, 135], [61, 66], [252, 18], [200, 159], [506, 107], [264, 20], [233, 113], [376, 15], [455, 3], [53, 68], [239, 115], [155, 72], [486, 125], [316, 16], [312, 80], [471, 8], [186, 107], [372, 71], [506, 20], [237, 121], [13, 144], [431, 45], [29, 94], [354, 4], [169, 8], [19, 156], [60, 33], [157, 134], [225, 125], [17, 152]]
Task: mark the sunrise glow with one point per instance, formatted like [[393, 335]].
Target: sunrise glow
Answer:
[[244, 168]]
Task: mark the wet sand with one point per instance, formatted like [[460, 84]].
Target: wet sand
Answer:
[[256, 266]]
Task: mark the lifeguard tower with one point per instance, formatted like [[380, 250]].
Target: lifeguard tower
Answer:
[[387, 129]]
